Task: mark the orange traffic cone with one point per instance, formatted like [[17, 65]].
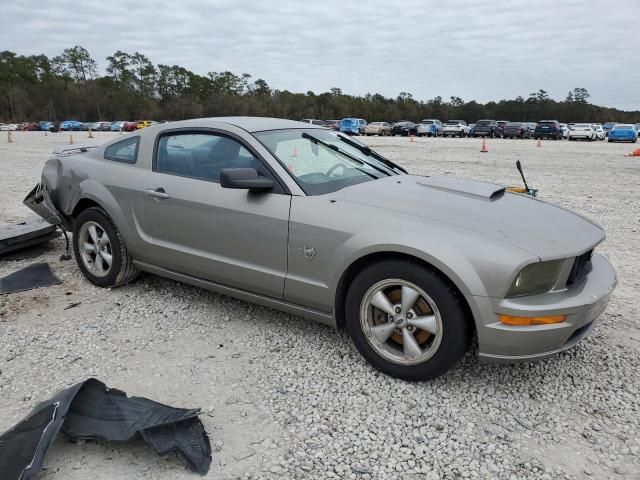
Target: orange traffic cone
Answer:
[[484, 148], [539, 143], [411, 137], [71, 139], [635, 153], [90, 133], [9, 139]]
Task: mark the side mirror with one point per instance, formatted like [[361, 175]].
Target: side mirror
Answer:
[[245, 179]]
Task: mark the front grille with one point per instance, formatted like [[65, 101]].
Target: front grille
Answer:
[[581, 267]]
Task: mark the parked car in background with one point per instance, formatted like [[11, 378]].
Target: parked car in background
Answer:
[[129, 126], [117, 125], [487, 128], [623, 132], [8, 127], [502, 124], [565, 130], [72, 125], [144, 123], [378, 128], [472, 128], [313, 121], [600, 135], [30, 127], [582, 131], [101, 126], [404, 128], [353, 126], [516, 130], [455, 128], [548, 129], [333, 124], [430, 127], [413, 267], [607, 127]]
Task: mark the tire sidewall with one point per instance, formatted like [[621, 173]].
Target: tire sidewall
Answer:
[[456, 332], [98, 216]]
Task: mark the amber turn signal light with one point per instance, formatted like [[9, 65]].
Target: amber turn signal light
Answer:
[[525, 321]]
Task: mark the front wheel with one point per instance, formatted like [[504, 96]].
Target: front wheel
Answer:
[[407, 320], [100, 251]]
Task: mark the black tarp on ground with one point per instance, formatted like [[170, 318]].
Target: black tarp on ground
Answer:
[[34, 276], [90, 410]]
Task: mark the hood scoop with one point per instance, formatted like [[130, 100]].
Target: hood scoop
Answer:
[[487, 190]]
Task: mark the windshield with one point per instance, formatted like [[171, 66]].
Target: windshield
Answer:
[[427, 122], [319, 161], [623, 127], [483, 122]]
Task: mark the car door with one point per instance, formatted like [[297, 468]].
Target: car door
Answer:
[[233, 237]]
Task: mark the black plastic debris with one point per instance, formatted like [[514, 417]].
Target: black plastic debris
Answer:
[[25, 234], [91, 411], [34, 276]]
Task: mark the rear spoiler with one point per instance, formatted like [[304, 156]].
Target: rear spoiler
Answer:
[[74, 149]]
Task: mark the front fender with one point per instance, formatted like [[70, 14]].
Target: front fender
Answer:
[[476, 265]]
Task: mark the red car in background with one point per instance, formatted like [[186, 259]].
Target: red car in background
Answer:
[[129, 126]]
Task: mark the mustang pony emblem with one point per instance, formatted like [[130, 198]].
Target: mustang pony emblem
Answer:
[[309, 252]]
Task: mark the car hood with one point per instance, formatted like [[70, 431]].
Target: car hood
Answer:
[[540, 228]]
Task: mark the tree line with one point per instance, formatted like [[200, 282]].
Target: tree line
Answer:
[[69, 86]]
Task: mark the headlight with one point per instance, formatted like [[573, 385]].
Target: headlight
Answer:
[[536, 278]]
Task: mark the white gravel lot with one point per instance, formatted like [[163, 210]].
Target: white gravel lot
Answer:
[[287, 398]]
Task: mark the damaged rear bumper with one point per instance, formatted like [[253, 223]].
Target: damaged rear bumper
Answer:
[[39, 200]]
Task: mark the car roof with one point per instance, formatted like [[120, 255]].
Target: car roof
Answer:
[[250, 124]]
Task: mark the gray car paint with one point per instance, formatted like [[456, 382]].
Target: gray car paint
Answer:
[[475, 233]]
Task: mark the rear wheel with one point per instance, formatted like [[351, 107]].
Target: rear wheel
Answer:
[[100, 251], [407, 320]]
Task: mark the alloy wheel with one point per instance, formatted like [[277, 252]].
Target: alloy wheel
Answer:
[[95, 249], [401, 322]]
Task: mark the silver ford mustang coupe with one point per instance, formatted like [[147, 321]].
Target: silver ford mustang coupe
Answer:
[[301, 219]]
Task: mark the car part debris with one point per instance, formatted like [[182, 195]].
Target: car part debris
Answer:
[[90, 410], [34, 276], [28, 233]]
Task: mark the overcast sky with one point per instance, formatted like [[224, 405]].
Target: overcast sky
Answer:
[[480, 50]]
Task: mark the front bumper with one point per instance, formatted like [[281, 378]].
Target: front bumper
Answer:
[[582, 303]]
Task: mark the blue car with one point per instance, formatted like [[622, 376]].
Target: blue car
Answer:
[[623, 132], [116, 126], [69, 125], [353, 126]]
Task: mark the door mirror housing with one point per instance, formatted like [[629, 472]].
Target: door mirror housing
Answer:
[[245, 179]]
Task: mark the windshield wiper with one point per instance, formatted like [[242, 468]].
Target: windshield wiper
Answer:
[[371, 153], [341, 152]]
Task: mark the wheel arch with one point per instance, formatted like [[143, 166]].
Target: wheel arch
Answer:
[[374, 257]]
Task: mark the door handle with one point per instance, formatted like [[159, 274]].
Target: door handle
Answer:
[[157, 193]]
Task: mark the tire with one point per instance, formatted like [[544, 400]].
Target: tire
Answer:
[[461, 134], [121, 270], [452, 330]]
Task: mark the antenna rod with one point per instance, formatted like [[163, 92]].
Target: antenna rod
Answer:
[[519, 167]]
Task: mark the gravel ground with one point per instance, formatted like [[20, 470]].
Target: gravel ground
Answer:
[[286, 398]]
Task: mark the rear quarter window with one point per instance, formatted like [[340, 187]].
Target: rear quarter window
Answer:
[[125, 151]]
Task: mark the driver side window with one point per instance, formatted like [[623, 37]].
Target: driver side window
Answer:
[[201, 155]]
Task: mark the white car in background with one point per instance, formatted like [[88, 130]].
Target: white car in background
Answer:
[[600, 134], [456, 128], [565, 130], [584, 131], [8, 127]]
